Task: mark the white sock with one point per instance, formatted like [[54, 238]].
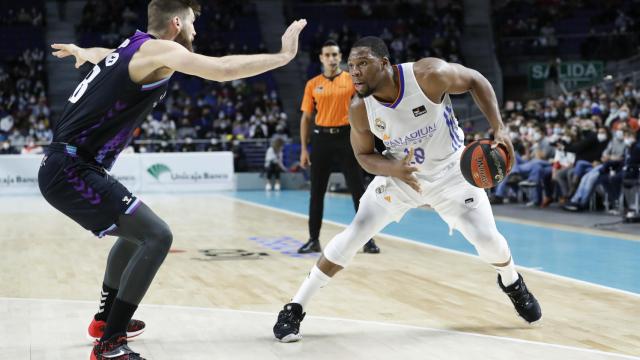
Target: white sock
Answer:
[[310, 286], [508, 273]]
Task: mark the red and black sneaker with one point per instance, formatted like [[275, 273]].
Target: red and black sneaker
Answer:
[[115, 348], [96, 328]]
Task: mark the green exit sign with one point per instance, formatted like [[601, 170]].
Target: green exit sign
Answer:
[[573, 74]]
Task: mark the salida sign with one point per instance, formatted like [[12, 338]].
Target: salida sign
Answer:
[[573, 74]]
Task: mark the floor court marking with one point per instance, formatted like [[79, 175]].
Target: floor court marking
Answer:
[[398, 238], [552, 226], [366, 322]]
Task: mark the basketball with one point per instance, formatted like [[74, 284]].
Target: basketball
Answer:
[[483, 166]]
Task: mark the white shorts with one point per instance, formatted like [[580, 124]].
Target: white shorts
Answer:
[[447, 192]]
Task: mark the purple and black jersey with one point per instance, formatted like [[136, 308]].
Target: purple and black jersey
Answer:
[[107, 106]]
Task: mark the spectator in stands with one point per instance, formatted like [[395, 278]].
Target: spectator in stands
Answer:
[[613, 182], [563, 164], [611, 161], [631, 176], [588, 149], [273, 164]]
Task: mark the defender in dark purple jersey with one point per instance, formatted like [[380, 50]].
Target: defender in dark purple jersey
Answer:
[[98, 123]]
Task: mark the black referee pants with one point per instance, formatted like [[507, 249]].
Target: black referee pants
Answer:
[[331, 151]]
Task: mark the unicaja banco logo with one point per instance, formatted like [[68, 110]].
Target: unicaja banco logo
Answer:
[[156, 170]]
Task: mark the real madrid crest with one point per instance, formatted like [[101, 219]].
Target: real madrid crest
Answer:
[[380, 125]]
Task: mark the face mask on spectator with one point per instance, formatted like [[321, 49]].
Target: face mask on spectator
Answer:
[[513, 135], [619, 134], [567, 114], [602, 137], [5, 145], [629, 141], [623, 114], [558, 130], [627, 93]]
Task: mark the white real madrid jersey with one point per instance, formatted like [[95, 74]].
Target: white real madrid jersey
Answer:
[[414, 121]]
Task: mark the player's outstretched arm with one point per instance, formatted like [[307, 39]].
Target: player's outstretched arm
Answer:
[[437, 78], [363, 145], [170, 54], [82, 55]]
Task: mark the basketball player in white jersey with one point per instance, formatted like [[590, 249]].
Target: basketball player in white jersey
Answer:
[[408, 107]]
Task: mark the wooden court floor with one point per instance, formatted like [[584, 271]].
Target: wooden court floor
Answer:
[[218, 293]]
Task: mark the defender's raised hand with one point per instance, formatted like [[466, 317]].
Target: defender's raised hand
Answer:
[[64, 50], [290, 38]]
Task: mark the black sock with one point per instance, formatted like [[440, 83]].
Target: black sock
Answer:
[[121, 313], [106, 301]]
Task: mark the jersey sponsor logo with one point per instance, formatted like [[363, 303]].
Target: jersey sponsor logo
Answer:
[[420, 110], [111, 59], [319, 88], [380, 125], [412, 138], [468, 201], [126, 200]]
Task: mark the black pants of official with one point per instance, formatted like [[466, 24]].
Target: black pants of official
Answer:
[[329, 151]]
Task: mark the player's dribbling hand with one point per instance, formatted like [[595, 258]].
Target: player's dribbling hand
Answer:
[[65, 50], [502, 138], [290, 38], [304, 159], [405, 172]]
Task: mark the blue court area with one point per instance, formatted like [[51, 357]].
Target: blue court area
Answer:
[[603, 260]]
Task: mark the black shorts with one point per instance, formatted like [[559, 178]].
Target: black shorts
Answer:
[[84, 191]]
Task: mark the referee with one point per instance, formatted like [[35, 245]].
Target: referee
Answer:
[[330, 95]]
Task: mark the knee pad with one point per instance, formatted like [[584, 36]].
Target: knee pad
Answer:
[[492, 246], [338, 250]]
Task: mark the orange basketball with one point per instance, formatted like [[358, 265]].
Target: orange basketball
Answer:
[[483, 166]]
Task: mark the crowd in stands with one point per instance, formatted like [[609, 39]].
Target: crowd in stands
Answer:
[[411, 29], [220, 112], [590, 29], [19, 15], [24, 111], [571, 146]]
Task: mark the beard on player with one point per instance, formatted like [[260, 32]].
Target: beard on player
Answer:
[[185, 40]]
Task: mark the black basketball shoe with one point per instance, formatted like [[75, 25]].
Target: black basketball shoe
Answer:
[[313, 245], [525, 303], [371, 248], [287, 328], [115, 348]]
